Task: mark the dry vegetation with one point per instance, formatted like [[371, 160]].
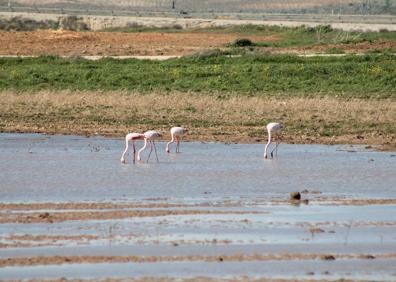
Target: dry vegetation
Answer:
[[210, 117]]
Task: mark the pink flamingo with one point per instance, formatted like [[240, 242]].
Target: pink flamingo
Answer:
[[176, 133], [150, 136], [272, 127], [131, 137]]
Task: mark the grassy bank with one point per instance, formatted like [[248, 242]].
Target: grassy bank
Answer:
[[369, 76], [211, 118]]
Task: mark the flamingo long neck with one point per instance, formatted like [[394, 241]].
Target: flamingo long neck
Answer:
[[269, 142], [142, 149], [126, 148], [170, 142]]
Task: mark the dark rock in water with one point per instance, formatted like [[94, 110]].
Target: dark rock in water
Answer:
[[305, 201], [295, 196], [368, 257], [305, 191], [44, 215], [311, 273], [327, 257]]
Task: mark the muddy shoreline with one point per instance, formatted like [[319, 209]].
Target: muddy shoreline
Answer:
[[140, 259], [210, 119]]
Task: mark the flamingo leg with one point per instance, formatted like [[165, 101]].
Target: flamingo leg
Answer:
[[151, 149], [142, 149], [272, 153], [275, 149], [178, 145], [155, 149], [134, 152], [277, 144]]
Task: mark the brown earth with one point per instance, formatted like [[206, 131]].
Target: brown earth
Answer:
[[71, 43]]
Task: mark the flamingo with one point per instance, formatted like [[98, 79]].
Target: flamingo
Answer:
[[131, 137], [176, 133], [272, 127], [149, 136]]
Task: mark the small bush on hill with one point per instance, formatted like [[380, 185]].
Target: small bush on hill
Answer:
[[242, 42]]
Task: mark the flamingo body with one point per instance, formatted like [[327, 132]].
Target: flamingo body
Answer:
[[176, 133], [131, 137], [272, 128]]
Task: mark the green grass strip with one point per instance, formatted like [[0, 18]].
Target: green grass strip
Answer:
[[368, 76]]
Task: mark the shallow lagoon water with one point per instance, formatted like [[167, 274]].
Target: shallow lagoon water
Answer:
[[71, 168], [250, 193]]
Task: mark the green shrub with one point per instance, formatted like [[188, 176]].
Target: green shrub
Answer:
[[242, 42]]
